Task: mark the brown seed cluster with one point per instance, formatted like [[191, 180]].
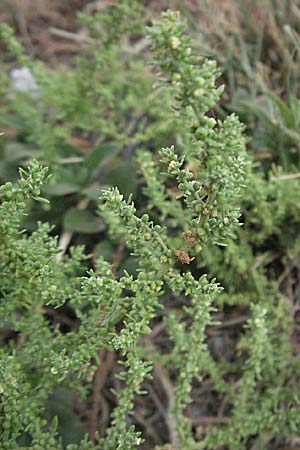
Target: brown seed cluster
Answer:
[[183, 256], [189, 237]]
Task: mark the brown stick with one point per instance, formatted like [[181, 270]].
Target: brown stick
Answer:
[[105, 365], [163, 377], [118, 256], [290, 176], [171, 421], [99, 382], [77, 37], [209, 420]]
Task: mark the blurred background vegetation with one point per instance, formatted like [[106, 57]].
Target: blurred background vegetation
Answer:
[[91, 109]]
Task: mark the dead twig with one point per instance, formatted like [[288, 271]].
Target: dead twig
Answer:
[[209, 420], [78, 37], [162, 376], [170, 419], [107, 360], [290, 176], [118, 256], [104, 366], [231, 322]]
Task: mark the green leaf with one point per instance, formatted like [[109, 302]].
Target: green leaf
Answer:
[[83, 222], [285, 111], [59, 413], [106, 250], [123, 176], [13, 121], [98, 155], [15, 151], [61, 188], [93, 192]]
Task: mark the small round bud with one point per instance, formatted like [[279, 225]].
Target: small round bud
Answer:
[[211, 122], [200, 81], [176, 77], [201, 133], [172, 165], [8, 195], [174, 42], [8, 186], [198, 93], [201, 232], [20, 196]]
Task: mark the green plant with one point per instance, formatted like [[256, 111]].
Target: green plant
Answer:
[[86, 120], [252, 40], [188, 233], [257, 47]]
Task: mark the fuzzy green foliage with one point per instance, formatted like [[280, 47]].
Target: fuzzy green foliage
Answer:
[[254, 41], [85, 121], [261, 71], [186, 240]]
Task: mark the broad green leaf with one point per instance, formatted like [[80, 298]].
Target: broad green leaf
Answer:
[[93, 192], [61, 188], [83, 222], [12, 121], [14, 151], [60, 414], [105, 249], [123, 175], [285, 111], [98, 155]]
